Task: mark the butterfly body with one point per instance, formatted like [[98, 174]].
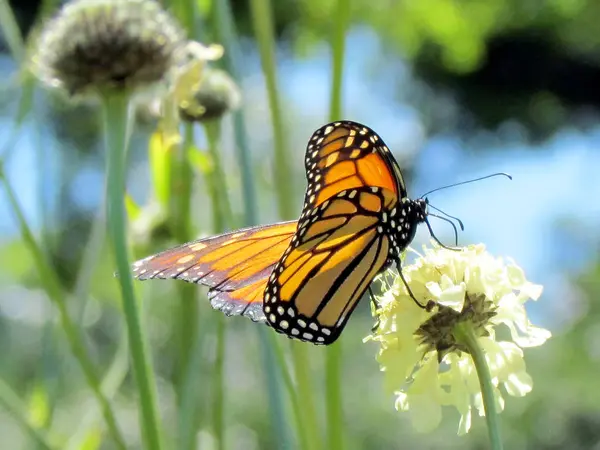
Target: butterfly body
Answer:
[[305, 278]]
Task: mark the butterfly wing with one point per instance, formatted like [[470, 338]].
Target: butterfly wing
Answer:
[[346, 155], [235, 266], [343, 240]]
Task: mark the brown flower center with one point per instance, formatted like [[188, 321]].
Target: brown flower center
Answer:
[[437, 332]]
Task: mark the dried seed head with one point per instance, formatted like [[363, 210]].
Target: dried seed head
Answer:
[[215, 95], [99, 45]]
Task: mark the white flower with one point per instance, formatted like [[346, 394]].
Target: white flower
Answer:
[[424, 364]]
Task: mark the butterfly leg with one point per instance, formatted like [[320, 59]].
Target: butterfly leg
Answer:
[[440, 243], [430, 304], [375, 304]]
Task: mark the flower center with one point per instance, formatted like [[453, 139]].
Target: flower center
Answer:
[[437, 332]]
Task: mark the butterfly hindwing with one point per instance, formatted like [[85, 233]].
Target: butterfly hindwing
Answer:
[[338, 249]]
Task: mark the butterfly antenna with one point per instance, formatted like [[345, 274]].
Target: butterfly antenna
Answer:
[[498, 174], [460, 223], [445, 220]]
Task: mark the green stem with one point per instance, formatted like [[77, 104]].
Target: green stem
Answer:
[[218, 381], [225, 30], [52, 286], [113, 378], [116, 115], [338, 43], [333, 360], [11, 32], [222, 211], [226, 34], [304, 432], [12, 404], [464, 333], [305, 390], [185, 12], [263, 29], [221, 204], [181, 202], [188, 407]]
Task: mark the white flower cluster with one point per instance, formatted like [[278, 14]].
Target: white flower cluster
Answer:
[[470, 287]]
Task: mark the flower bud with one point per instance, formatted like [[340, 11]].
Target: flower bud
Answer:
[[214, 96]]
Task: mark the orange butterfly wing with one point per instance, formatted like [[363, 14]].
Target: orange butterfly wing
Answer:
[[235, 266], [347, 155], [344, 233]]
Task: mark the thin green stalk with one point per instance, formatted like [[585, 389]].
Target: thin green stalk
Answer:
[[116, 115], [263, 29], [464, 333], [224, 28], [180, 205], [114, 377], [51, 285], [188, 406], [226, 34], [221, 211], [305, 390], [11, 402], [335, 433], [338, 44], [218, 402], [11, 32], [185, 12], [89, 261], [223, 214], [181, 188], [299, 413]]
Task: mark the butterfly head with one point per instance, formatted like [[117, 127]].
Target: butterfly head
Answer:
[[420, 205]]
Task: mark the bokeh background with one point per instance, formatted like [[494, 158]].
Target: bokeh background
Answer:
[[457, 89]]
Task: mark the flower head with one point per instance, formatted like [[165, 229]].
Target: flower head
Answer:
[[95, 45], [215, 95], [426, 363]]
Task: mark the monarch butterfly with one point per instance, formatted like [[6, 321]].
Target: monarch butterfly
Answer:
[[304, 278]]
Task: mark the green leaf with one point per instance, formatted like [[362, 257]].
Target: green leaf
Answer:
[[160, 156], [39, 406]]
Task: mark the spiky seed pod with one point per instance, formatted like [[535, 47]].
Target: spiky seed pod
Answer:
[[215, 95], [100, 45]]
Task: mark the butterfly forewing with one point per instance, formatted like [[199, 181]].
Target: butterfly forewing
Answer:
[[346, 155], [235, 266]]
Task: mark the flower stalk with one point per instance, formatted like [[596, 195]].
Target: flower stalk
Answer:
[[333, 361], [225, 30], [116, 117], [466, 336]]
